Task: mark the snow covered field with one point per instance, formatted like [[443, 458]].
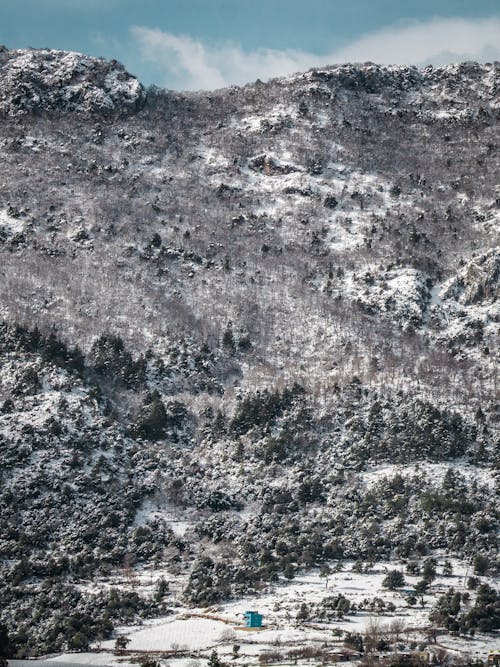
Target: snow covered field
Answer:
[[191, 634], [175, 634]]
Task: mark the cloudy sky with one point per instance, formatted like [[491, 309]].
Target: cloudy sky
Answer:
[[194, 44]]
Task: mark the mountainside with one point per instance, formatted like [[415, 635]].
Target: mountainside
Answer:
[[244, 333]]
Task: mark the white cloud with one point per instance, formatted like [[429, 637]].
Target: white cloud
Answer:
[[191, 64], [438, 41]]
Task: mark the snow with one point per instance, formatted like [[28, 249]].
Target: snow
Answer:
[[213, 157], [435, 299], [280, 607], [434, 472], [222, 626], [259, 123], [190, 634], [91, 658], [10, 224], [53, 78], [169, 513], [180, 527]]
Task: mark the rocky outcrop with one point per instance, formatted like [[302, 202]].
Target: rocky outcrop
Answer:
[[478, 281], [44, 80]]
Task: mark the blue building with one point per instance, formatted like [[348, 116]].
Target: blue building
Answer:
[[253, 619]]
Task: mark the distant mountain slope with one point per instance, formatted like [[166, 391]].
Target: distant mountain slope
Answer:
[[230, 309]]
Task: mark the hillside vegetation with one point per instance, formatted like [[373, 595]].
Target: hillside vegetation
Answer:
[[236, 308]]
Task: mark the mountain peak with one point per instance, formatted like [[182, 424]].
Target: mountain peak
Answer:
[[50, 80]]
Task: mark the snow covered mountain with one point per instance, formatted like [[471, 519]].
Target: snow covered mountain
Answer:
[[245, 333]]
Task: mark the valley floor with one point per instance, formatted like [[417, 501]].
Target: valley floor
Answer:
[[187, 637]]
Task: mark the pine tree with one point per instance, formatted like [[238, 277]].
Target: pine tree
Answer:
[[214, 660], [228, 338], [6, 648], [394, 579]]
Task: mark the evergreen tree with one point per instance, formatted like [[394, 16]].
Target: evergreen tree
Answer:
[[6, 648], [394, 579], [228, 338], [152, 420], [214, 660]]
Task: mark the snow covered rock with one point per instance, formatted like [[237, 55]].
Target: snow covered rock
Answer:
[[479, 280], [402, 293], [48, 80]]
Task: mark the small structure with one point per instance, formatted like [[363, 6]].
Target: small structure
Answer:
[[253, 619], [494, 658]]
